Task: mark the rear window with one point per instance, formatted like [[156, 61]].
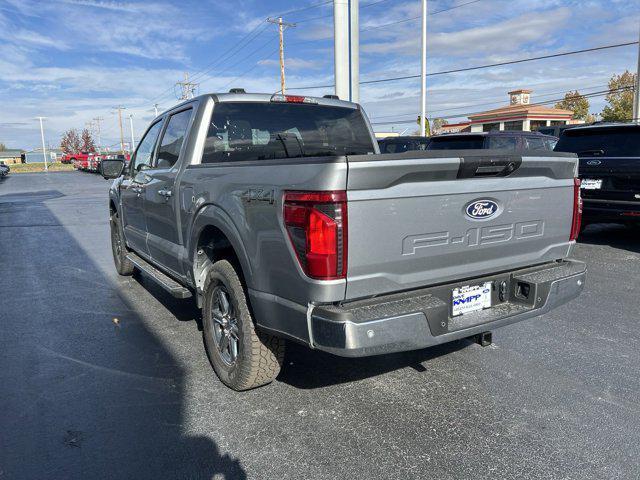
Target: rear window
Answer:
[[601, 141], [246, 131], [456, 143], [399, 146]]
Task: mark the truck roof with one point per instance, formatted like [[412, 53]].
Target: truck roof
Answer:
[[598, 125], [520, 133], [262, 97]]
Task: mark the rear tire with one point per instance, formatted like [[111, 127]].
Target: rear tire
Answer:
[[119, 248], [242, 357]]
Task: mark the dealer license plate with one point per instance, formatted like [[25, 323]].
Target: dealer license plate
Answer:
[[470, 298], [591, 184]]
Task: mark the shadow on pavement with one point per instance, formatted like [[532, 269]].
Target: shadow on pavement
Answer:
[[185, 310], [87, 390], [308, 369], [617, 236]]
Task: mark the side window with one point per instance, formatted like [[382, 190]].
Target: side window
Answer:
[[142, 157], [390, 147], [533, 143], [503, 142], [173, 138]]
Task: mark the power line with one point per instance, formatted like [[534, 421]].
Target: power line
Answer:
[[497, 100], [366, 29], [243, 42], [478, 67], [233, 50], [320, 17], [547, 102], [249, 70], [321, 4]]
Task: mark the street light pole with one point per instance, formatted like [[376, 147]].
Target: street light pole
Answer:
[[44, 148], [133, 142], [423, 80], [636, 90]]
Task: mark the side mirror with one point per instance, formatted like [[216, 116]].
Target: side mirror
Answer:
[[111, 168]]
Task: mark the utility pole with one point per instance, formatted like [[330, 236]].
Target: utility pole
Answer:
[[155, 108], [346, 46], [44, 149], [98, 131], [120, 108], [281, 26], [636, 90], [423, 79], [188, 88], [133, 142]]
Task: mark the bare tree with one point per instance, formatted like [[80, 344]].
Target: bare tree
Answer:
[[88, 145], [70, 142]]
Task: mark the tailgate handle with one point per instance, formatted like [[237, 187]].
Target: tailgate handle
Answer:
[[488, 166]]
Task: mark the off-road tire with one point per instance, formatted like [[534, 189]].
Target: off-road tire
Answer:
[[123, 264], [260, 355]]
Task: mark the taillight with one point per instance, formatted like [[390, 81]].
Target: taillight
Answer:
[[577, 210], [317, 226]]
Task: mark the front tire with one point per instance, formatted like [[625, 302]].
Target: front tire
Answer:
[[119, 248], [242, 357]]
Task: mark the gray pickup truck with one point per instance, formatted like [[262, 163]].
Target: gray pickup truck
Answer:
[[279, 215]]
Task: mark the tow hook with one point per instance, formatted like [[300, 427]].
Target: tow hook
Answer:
[[483, 339]]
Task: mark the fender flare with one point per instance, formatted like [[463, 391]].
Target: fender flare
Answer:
[[214, 216]]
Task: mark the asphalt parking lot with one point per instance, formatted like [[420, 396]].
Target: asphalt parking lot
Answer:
[[106, 377]]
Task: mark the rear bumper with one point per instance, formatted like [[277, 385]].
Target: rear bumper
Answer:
[[422, 318], [598, 210]]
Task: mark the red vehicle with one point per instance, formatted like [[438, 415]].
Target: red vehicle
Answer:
[[94, 162], [80, 160]]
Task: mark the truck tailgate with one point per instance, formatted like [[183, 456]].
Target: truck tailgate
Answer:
[[423, 218]]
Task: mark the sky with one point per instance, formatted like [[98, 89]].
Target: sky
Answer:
[[75, 60]]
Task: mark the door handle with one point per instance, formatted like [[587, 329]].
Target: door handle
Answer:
[[165, 193], [138, 190]]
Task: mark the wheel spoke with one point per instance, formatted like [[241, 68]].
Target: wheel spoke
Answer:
[[233, 348], [233, 330], [223, 301], [224, 343], [217, 316]]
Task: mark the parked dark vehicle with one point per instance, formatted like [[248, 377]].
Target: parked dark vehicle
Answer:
[[495, 140], [277, 214], [4, 170], [555, 130], [609, 169], [403, 144]]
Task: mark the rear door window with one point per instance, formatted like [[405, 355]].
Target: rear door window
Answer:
[[456, 143], [534, 143], [601, 141], [250, 131], [173, 138], [500, 142]]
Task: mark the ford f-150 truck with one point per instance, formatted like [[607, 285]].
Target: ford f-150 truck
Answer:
[[279, 215], [609, 169]]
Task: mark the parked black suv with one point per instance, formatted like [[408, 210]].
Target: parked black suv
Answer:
[[497, 140], [609, 169], [403, 144]]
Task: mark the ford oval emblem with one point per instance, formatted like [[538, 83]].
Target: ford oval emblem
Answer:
[[481, 209], [594, 162]]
